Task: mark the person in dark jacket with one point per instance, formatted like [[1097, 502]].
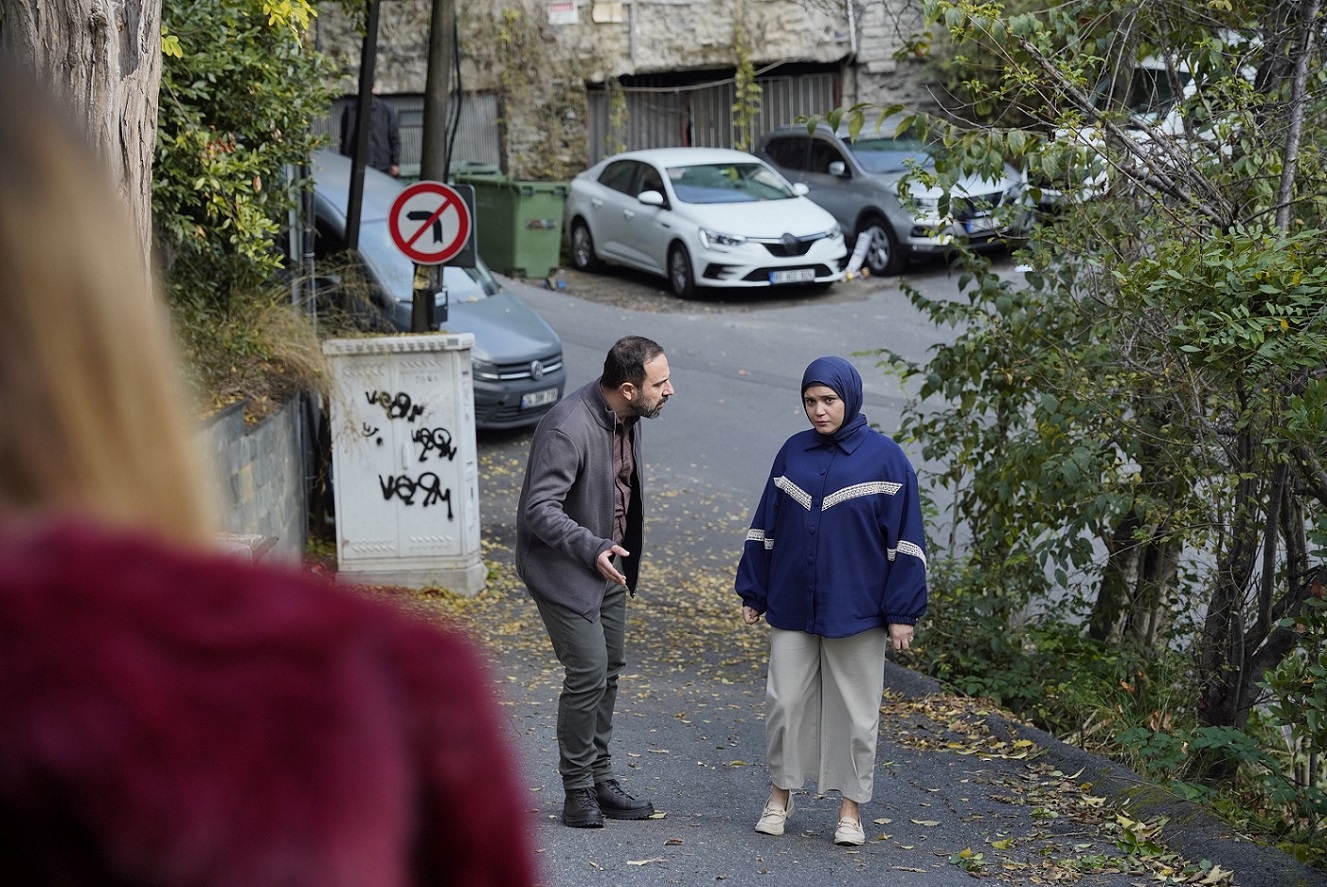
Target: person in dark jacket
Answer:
[[384, 134], [835, 561], [579, 528]]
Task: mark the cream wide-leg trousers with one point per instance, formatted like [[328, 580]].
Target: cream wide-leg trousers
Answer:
[[823, 710]]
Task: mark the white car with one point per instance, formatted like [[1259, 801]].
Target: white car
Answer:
[[701, 217], [1149, 101]]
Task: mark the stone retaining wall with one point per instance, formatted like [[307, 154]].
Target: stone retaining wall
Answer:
[[261, 468]]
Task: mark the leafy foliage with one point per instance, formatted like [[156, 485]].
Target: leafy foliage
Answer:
[[1130, 429], [747, 90], [240, 89], [1298, 712]]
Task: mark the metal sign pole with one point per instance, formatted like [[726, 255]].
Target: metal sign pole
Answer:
[[439, 312]]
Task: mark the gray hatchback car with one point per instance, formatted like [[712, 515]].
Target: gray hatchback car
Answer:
[[858, 181], [517, 357]]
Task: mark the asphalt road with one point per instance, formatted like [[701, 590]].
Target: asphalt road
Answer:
[[961, 792], [736, 361]]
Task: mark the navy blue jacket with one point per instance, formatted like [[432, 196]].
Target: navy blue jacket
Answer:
[[836, 545]]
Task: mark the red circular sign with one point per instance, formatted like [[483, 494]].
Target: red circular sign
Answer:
[[429, 222]]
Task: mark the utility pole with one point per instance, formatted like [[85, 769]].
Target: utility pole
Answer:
[[435, 163], [434, 160], [363, 116]]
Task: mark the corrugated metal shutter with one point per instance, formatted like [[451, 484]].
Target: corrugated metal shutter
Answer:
[[784, 99], [702, 115]]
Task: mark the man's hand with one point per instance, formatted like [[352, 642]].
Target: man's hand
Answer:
[[605, 564], [900, 635], [749, 615], [393, 170]]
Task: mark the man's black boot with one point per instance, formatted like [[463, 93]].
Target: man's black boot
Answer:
[[581, 809], [617, 804]]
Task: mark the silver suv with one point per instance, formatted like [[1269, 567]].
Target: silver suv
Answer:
[[858, 182]]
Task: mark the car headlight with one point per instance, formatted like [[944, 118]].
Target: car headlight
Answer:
[[923, 204], [710, 239], [484, 370]]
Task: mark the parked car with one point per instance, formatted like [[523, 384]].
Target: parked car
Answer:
[[701, 217], [517, 357], [858, 182], [1166, 112]]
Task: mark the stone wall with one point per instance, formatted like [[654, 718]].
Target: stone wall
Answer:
[[883, 30], [538, 56], [261, 482]]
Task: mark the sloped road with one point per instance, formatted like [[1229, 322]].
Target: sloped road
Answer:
[[961, 791]]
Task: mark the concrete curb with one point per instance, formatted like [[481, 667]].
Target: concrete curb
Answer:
[[1192, 831]]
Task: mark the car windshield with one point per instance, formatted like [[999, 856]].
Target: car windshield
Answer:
[[727, 183], [397, 273], [1145, 91], [890, 155]]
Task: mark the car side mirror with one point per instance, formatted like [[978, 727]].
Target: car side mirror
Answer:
[[800, 189], [838, 168], [650, 198]]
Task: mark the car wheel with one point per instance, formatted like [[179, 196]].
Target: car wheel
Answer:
[[883, 256], [679, 272], [582, 248]]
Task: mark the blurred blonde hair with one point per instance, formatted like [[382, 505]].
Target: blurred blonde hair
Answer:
[[92, 421]]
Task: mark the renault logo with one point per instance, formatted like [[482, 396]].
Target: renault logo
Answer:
[[791, 243], [536, 370]]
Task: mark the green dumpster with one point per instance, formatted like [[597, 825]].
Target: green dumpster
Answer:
[[462, 168], [518, 223]]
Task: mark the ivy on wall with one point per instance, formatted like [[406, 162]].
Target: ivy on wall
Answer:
[[747, 98], [541, 94]]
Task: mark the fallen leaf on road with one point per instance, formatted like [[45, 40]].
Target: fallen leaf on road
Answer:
[[645, 861], [1217, 875]]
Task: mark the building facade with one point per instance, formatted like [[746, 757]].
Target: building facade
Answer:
[[549, 86]]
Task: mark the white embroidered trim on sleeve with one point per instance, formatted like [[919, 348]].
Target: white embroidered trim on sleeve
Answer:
[[759, 536], [912, 549]]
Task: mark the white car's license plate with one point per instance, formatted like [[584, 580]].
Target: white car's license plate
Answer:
[[539, 398], [794, 275]]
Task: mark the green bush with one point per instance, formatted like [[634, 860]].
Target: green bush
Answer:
[[240, 89]]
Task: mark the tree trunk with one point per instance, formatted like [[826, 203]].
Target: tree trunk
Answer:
[[102, 61], [1118, 579], [1234, 655], [1135, 597]]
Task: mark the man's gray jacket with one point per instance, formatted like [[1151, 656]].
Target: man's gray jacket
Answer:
[[565, 516]]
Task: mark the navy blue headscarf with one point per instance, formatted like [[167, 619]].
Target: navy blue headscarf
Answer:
[[837, 374]]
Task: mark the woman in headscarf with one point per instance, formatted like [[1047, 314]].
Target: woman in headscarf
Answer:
[[835, 561]]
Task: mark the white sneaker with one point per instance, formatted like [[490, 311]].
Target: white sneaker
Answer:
[[849, 833], [772, 818]]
